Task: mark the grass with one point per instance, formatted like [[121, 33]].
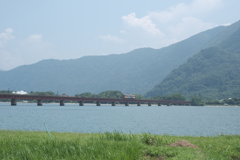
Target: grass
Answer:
[[114, 146]]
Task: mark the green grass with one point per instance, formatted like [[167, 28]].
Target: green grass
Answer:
[[114, 146]]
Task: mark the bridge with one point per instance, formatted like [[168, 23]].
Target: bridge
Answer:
[[81, 100]]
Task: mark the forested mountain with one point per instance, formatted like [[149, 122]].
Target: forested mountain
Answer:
[[214, 73], [133, 72]]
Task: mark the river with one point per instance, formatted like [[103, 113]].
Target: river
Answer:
[[172, 120]]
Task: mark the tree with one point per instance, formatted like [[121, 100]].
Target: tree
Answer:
[[85, 94], [110, 94], [173, 97], [196, 101]]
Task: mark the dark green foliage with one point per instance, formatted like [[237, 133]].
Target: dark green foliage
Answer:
[[196, 101], [232, 101], [134, 72], [6, 92], [214, 102], [214, 73], [86, 94], [49, 93], [104, 94], [110, 94], [173, 97]]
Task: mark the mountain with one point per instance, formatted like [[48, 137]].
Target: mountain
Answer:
[[133, 72], [214, 73]]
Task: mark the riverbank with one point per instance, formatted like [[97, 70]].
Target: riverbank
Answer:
[[41, 145]]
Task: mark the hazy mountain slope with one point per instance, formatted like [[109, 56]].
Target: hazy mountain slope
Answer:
[[228, 31], [133, 72], [213, 73]]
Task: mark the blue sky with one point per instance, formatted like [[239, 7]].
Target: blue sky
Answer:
[[33, 30]]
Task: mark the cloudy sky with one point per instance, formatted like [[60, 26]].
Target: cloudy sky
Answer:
[[33, 30]]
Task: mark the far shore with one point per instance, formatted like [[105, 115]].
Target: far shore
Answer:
[[131, 104]]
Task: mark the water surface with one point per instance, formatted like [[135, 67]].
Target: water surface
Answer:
[[173, 120]]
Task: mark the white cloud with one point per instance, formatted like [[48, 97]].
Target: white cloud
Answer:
[[172, 24], [181, 10], [27, 51], [189, 26], [169, 14], [204, 6], [34, 38], [6, 36], [145, 23], [37, 48], [123, 31], [111, 38], [227, 24]]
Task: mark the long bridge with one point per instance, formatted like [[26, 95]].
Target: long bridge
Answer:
[[81, 100]]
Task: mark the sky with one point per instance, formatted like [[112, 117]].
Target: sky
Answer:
[[33, 30]]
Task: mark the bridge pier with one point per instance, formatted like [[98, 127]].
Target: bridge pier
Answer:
[[39, 102], [13, 102], [159, 104], [113, 104], [62, 103], [138, 104], [126, 104], [81, 103], [149, 104], [98, 103]]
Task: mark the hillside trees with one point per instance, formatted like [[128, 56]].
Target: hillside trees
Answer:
[[104, 94]]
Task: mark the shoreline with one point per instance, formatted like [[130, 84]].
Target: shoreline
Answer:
[[126, 106]]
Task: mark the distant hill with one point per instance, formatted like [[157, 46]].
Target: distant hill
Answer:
[[135, 72], [214, 73]]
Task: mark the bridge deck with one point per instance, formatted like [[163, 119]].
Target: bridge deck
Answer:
[[84, 99]]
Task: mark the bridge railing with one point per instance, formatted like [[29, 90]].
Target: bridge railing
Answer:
[[84, 99]]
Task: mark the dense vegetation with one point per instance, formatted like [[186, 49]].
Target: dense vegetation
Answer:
[[194, 99], [133, 72], [38, 145], [105, 94], [214, 73], [5, 91], [173, 97]]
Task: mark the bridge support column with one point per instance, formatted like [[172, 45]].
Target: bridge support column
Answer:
[[98, 103], [126, 104], [113, 104], [13, 102], [62, 103], [149, 104], [138, 104], [81, 103], [159, 104], [39, 102]]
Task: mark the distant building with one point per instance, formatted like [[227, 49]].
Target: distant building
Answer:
[[20, 92]]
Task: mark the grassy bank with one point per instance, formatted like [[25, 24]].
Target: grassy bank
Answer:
[[114, 146]]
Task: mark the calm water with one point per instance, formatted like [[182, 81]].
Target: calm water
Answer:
[[174, 120]]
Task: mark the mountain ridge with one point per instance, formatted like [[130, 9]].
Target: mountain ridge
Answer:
[[213, 73], [134, 72]]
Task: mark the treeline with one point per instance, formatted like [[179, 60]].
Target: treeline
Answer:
[[105, 94], [229, 101], [5, 91], [173, 97], [195, 100]]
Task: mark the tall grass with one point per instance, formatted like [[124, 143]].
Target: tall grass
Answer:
[[113, 146]]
